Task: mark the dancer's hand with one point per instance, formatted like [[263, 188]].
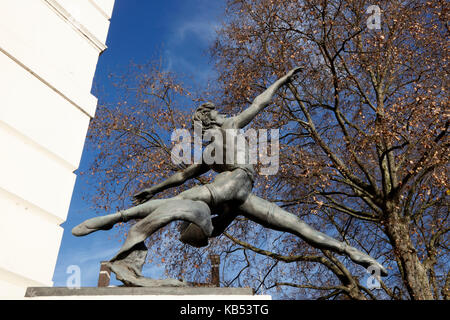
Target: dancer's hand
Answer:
[[143, 196], [291, 75]]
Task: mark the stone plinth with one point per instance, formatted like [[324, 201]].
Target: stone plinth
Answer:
[[143, 293]]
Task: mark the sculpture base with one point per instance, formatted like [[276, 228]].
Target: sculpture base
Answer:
[[143, 293]]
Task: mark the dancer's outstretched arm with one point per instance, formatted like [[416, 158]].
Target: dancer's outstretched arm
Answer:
[[263, 100], [175, 180]]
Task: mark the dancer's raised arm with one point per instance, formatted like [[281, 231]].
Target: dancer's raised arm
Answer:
[[262, 101]]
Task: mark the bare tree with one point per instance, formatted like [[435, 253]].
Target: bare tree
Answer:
[[363, 149]]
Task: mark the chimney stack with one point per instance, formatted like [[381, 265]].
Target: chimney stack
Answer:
[[215, 263], [105, 275]]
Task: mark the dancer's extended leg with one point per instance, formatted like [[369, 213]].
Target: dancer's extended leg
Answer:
[[127, 264], [199, 193], [196, 212], [270, 215], [108, 221]]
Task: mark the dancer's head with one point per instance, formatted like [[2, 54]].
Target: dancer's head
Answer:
[[208, 116]]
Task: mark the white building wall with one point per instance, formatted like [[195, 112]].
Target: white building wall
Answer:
[[48, 55]]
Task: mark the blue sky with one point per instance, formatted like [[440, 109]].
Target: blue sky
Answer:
[[181, 32]]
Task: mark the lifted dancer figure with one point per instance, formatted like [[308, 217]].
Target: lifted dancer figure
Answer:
[[229, 195]]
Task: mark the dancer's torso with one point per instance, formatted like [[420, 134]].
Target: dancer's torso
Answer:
[[234, 149]]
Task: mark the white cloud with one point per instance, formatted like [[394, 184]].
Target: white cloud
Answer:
[[204, 30], [192, 37]]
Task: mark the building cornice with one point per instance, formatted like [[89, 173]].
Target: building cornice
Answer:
[[94, 4], [78, 27]]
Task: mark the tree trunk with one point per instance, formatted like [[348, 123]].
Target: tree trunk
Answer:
[[413, 272]]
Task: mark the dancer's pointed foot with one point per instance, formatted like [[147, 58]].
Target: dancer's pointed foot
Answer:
[[364, 260], [132, 277], [95, 224]]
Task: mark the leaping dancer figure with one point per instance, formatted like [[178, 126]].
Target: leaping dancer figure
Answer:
[[207, 210]]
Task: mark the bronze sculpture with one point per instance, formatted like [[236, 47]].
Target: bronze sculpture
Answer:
[[229, 195]]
